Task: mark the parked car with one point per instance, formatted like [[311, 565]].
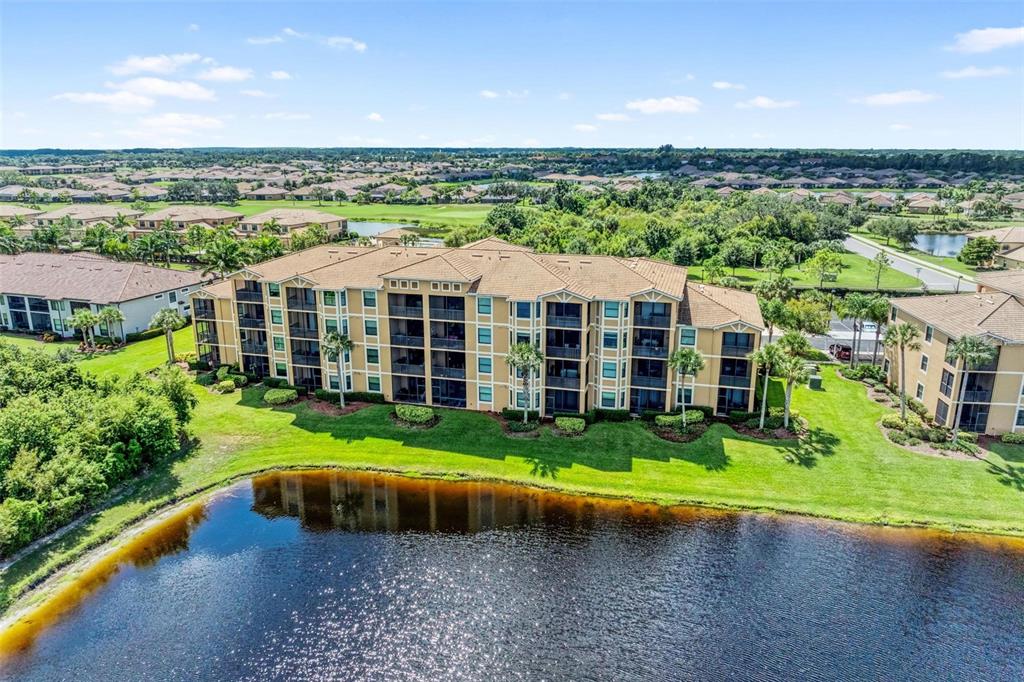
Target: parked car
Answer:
[[840, 351], [869, 327]]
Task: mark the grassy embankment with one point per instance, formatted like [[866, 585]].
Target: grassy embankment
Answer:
[[844, 469], [944, 261], [858, 273]]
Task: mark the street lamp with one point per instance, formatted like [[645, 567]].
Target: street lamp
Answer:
[[959, 278]]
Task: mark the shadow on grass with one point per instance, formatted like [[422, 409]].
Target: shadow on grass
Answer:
[[816, 443], [1011, 453], [1008, 475]]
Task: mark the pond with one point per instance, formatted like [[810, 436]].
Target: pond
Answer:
[[320, 575], [366, 228], [948, 245]]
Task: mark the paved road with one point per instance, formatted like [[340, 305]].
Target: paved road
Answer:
[[933, 279]]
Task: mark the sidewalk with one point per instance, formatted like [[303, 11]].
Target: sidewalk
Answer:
[[913, 259]]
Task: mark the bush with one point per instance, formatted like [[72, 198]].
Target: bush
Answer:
[[414, 414], [520, 427], [651, 415], [815, 355], [142, 336], [917, 407], [226, 386], [199, 365], [864, 372], [967, 437], [325, 395], [363, 397], [709, 412], [893, 421], [573, 426], [223, 371], [274, 382], [695, 417], [239, 380], [602, 414], [280, 396], [188, 356], [21, 521], [208, 379], [900, 438], [1013, 438], [738, 416], [587, 417], [516, 414]]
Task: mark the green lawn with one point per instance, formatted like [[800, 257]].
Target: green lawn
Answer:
[[844, 469], [944, 261], [857, 273]]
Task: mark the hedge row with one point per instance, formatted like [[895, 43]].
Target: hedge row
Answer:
[[573, 426]]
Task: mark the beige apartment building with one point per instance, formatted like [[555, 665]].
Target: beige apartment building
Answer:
[[292, 221], [182, 217], [434, 325], [993, 398]]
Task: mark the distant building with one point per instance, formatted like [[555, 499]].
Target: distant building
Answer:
[[293, 221]]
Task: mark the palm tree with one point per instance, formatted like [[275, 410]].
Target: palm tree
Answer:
[[336, 345], [167, 319], [263, 247], [525, 359], [109, 316], [96, 235], [970, 352], [123, 222], [223, 255], [773, 312], [793, 371], [408, 240], [84, 320], [795, 343], [877, 312], [903, 337], [855, 306], [687, 362], [768, 357], [273, 226]]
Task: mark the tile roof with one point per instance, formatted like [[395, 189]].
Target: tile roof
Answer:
[[996, 314], [291, 217], [713, 306], [192, 214], [1009, 281], [1012, 234]]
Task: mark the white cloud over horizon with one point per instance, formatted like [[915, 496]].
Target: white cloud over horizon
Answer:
[[891, 99], [987, 39], [762, 102], [159, 87], [225, 74], [976, 72], [726, 85], [161, 63], [678, 104]]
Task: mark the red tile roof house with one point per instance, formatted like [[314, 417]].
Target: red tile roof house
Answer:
[[39, 291]]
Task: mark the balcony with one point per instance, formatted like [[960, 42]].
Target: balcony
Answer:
[[206, 338], [565, 321], [448, 372], [402, 368], [450, 402], [310, 360], [409, 341], [203, 312], [734, 381], [650, 351], [447, 343], [254, 348], [562, 382], [406, 311], [647, 382], [455, 314], [303, 332], [246, 322], [301, 304], [569, 352], [980, 396], [659, 321], [737, 351], [246, 296]]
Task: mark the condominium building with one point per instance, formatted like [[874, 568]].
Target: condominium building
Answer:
[[183, 217], [292, 221], [434, 325], [993, 395]]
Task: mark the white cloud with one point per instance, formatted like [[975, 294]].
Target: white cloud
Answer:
[[987, 39], [119, 102], [507, 94], [192, 28], [336, 42], [890, 99], [726, 85], [255, 93], [612, 117], [565, 96], [181, 124], [585, 128], [680, 104], [374, 116], [899, 126], [162, 63], [762, 102], [287, 116], [293, 33], [975, 72], [158, 87], [345, 43], [225, 74], [489, 94], [280, 76], [264, 40]]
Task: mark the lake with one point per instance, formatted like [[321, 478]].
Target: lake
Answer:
[[948, 245], [368, 228], [336, 575]]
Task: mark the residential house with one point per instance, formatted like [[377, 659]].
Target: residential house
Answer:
[[293, 221]]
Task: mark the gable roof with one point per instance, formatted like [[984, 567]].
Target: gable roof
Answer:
[[994, 314]]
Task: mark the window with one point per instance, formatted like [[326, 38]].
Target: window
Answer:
[[275, 316], [369, 299], [924, 363], [483, 335], [520, 400], [274, 289], [1020, 418], [54, 305], [57, 326], [372, 356], [485, 394], [280, 369], [684, 395], [158, 297], [373, 384], [348, 382], [610, 340], [330, 298], [279, 343], [484, 365], [611, 310], [919, 394], [523, 309], [941, 413], [371, 327], [172, 296], [892, 315], [928, 333], [332, 380], [608, 370], [946, 383], [522, 337], [688, 336], [342, 300], [330, 325], [483, 305], [885, 365], [607, 398], [344, 327]]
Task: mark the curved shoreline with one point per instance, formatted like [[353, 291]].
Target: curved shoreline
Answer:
[[40, 592]]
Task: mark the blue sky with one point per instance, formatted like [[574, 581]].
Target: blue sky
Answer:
[[725, 74]]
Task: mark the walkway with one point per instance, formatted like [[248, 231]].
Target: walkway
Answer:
[[935, 277]]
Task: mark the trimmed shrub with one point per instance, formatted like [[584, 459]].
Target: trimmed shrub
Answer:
[[208, 379], [651, 415], [325, 395], [893, 421], [223, 371], [363, 397], [199, 365], [864, 372], [239, 380], [917, 407], [573, 426], [709, 412], [967, 437], [516, 414], [1013, 438], [142, 336], [274, 382], [520, 427], [280, 396], [695, 417], [587, 417], [738, 416], [226, 386], [669, 421], [900, 438], [602, 414], [414, 414]]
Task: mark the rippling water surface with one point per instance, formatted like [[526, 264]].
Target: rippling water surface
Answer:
[[348, 576]]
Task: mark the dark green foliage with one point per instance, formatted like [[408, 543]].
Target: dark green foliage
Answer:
[[514, 413], [605, 415], [864, 373], [142, 336], [208, 379], [1013, 438], [573, 426], [364, 397], [274, 382], [651, 415], [739, 416], [419, 415], [517, 426], [239, 380], [279, 396]]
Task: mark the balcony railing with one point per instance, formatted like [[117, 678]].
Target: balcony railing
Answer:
[[403, 368], [311, 360], [247, 322], [565, 321], [737, 351], [404, 340], [571, 352], [981, 396], [648, 382], [255, 348], [249, 296], [650, 351], [448, 372], [203, 314], [562, 382], [406, 311], [410, 397], [450, 402], [304, 332], [447, 344], [660, 321], [729, 380], [208, 337], [447, 314], [301, 304]]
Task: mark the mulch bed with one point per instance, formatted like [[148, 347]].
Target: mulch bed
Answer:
[[774, 434], [513, 434], [333, 409], [675, 435], [417, 427]]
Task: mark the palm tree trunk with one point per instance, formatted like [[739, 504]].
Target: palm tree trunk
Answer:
[[526, 396], [789, 397], [874, 351], [170, 346], [960, 401], [903, 381], [764, 394], [341, 379], [853, 344], [771, 332]]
